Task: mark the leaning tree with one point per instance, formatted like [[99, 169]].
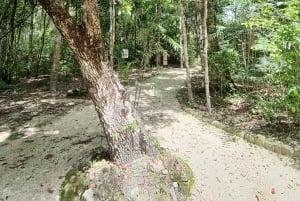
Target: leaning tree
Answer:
[[123, 131]]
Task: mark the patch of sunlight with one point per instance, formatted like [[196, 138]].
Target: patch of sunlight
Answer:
[[169, 88], [55, 132], [30, 131], [70, 104], [50, 101], [4, 135], [21, 102]]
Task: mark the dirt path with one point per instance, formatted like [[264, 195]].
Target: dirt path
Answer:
[[226, 168], [32, 168]]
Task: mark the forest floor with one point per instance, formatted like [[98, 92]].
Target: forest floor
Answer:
[[36, 154]]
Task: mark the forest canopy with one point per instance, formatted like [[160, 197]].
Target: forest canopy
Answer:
[[254, 46]]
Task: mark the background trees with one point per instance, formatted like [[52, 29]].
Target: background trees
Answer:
[[253, 46]]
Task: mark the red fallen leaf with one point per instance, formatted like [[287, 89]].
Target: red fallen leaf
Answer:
[[122, 166], [257, 198], [273, 191], [92, 185], [155, 161]]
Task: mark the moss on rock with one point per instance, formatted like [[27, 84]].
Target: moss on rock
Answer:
[[181, 173], [163, 178], [75, 183]]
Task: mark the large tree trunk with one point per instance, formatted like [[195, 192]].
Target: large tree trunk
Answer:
[[122, 129], [185, 50]]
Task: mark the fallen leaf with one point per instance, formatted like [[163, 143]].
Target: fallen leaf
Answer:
[[273, 191], [257, 198], [92, 185], [49, 190]]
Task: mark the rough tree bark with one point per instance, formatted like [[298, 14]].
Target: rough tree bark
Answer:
[[55, 65], [185, 50], [123, 131]]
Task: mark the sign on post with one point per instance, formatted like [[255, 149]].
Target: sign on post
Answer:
[[125, 53], [165, 58]]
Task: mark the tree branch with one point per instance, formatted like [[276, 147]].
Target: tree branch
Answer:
[[61, 18], [91, 20]]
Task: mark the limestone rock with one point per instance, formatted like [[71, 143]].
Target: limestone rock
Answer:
[[164, 178]]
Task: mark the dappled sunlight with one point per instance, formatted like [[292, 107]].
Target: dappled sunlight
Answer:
[[52, 132], [35, 156], [49, 101], [170, 88], [4, 135], [28, 132]]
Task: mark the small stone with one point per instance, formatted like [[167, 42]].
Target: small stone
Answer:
[[88, 195], [48, 156], [273, 191], [259, 140], [175, 185], [156, 166], [165, 172], [49, 190], [134, 193]]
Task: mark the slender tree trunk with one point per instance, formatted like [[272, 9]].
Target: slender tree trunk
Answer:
[[181, 44], [205, 57], [158, 15], [112, 31], [45, 25], [56, 59], [200, 36], [185, 50], [9, 40], [30, 41], [122, 128]]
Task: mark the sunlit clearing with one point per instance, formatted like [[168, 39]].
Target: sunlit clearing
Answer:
[[30, 131], [4, 135], [55, 132]]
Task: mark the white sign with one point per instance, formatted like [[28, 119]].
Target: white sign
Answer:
[[165, 58], [125, 53]]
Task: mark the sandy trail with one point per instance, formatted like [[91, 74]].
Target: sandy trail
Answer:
[[33, 168], [226, 168]]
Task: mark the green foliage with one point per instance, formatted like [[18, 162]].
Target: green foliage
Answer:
[[124, 68], [292, 101], [224, 67], [130, 125], [279, 28], [2, 85]]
